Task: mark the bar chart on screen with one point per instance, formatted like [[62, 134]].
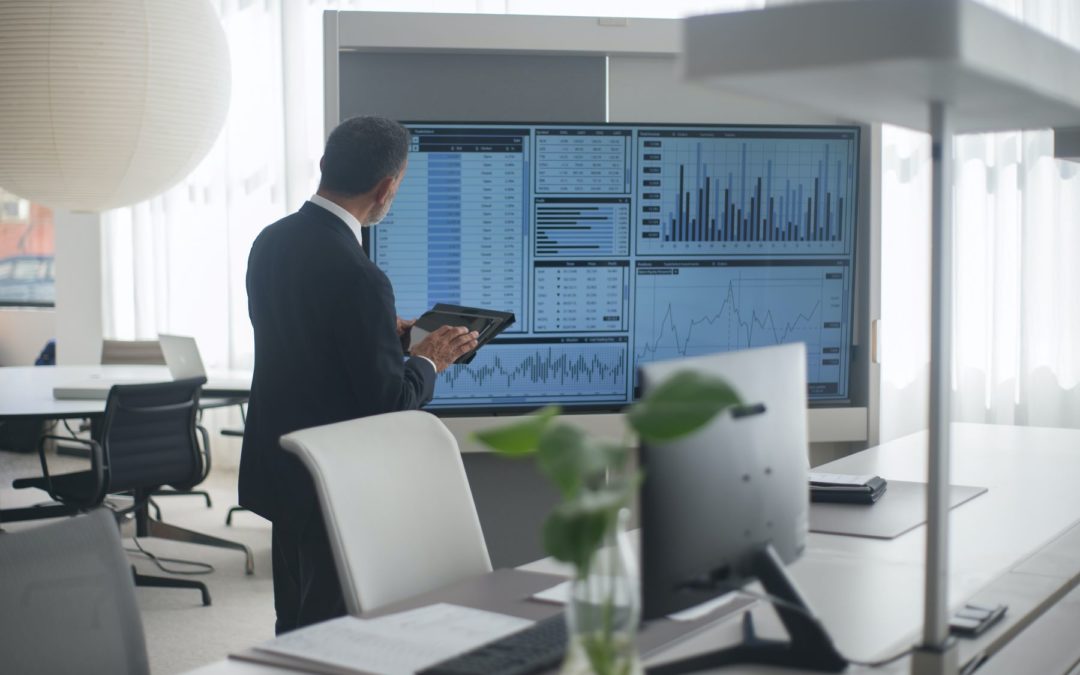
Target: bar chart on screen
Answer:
[[751, 192], [593, 226]]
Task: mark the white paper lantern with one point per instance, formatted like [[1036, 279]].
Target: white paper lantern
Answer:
[[104, 103]]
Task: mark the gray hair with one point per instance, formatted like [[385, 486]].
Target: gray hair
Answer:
[[362, 151]]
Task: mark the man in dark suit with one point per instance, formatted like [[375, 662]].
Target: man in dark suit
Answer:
[[328, 348]]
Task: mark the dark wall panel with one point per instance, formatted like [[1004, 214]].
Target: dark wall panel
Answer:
[[473, 87]]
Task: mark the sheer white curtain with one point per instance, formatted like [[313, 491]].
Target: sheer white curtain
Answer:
[[176, 263], [1017, 313]]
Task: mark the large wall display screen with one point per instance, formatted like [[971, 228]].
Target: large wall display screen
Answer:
[[615, 245]]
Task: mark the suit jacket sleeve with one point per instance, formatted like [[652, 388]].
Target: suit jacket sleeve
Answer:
[[367, 340]]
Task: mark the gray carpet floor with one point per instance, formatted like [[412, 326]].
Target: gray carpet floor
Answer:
[[181, 634]]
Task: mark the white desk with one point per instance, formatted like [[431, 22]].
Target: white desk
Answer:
[[943, 66], [27, 392], [869, 592]]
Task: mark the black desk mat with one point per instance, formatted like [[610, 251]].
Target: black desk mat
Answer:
[[900, 509]]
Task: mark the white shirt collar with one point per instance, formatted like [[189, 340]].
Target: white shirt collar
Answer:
[[346, 217]]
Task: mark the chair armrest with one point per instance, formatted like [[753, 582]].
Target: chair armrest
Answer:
[[98, 463], [204, 450]]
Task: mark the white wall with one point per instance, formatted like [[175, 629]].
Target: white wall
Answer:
[[652, 89], [79, 312], [23, 332], [76, 322]]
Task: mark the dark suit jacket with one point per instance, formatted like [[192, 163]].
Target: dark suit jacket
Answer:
[[326, 350]]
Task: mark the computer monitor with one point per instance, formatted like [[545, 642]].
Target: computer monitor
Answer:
[[617, 245], [729, 504]]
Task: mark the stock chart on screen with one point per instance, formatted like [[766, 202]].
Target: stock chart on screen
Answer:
[[616, 245]]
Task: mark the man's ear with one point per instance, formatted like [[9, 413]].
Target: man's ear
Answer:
[[384, 189]]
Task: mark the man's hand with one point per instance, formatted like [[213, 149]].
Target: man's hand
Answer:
[[403, 326], [446, 345]]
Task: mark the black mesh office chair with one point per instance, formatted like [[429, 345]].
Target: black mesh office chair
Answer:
[[149, 353], [146, 439]]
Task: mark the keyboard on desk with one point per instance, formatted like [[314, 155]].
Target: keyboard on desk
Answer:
[[538, 648]]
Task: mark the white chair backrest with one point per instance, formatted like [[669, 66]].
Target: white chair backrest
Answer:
[[397, 505], [132, 353], [67, 600]]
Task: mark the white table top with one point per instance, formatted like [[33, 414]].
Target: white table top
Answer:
[[885, 61], [869, 592], [28, 391]]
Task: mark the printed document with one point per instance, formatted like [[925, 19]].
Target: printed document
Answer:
[[397, 644]]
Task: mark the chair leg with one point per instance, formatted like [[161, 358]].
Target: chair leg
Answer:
[[157, 509], [186, 493], [146, 580], [229, 515], [156, 528]]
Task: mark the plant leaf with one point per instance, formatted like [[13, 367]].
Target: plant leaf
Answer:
[[681, 405], [521, 438], [572, 538], [569, 458], [575, 529]]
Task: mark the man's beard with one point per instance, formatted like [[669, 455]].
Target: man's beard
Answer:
[[376, 217]]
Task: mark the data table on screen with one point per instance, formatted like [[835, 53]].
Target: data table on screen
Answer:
[[689, 308], [456, 231], [710, 193], [578, 161], [538, 370], [581, 295]]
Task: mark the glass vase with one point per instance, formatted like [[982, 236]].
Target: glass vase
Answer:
[[604, 609]]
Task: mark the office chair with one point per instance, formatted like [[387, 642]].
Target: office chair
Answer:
[[131, 353], [148, 353], [146, 439], [396, 502], [68, 601]]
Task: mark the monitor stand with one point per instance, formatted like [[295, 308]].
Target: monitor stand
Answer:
[[809, 647]]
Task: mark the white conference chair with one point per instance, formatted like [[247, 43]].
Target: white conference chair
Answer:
[[132, 353], [67, 600], [396, 502]]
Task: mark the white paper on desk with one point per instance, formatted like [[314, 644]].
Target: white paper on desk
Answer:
[[561, 593], [397, 644], [838, 478]]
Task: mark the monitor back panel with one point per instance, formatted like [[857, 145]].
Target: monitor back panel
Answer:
[[713, 499]]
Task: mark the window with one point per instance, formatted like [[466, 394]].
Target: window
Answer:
[[26, 253]]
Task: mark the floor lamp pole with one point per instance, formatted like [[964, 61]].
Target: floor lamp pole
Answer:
[[937, 654]]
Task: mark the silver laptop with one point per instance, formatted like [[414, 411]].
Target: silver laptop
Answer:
[[181, 357]]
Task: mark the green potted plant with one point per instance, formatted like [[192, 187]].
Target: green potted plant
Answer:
[[587, 529]]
